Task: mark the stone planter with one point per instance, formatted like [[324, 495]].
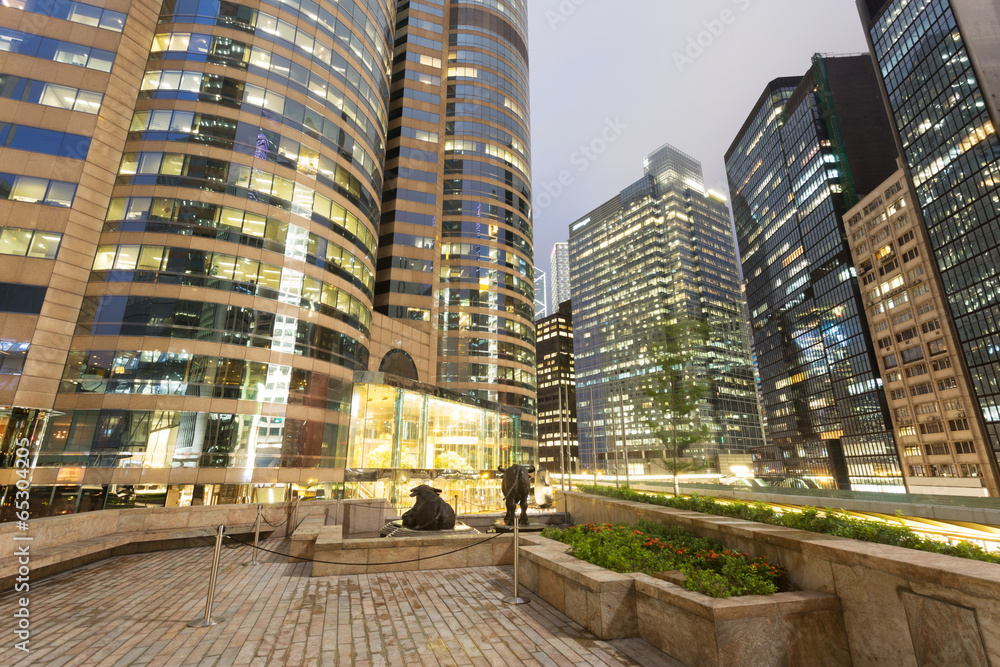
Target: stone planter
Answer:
[[600, 600], [895, 602], [801, 628]]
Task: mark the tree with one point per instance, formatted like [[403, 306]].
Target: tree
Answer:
[[451, 461], [677, 392], [381, 457]]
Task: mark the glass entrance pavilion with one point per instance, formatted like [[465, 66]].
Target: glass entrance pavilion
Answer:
[[404, 433]]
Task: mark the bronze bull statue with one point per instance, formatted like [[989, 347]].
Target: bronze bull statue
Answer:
[[516, 486], [430, 512]]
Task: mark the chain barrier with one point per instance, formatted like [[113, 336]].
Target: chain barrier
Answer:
[[327, 562], [272, 525]]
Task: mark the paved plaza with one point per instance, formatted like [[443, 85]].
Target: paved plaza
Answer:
[[134, 610]]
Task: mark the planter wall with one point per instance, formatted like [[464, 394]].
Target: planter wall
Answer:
[[403, 554], [598, 599], [802, 628], [783, 629], [901, 607]]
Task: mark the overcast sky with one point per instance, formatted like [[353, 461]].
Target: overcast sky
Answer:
[[627, 76]]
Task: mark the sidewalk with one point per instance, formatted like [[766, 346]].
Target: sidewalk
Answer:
[[133, 610]]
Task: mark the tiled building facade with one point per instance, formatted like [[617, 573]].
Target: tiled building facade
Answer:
[[455, 244], [942, 445]]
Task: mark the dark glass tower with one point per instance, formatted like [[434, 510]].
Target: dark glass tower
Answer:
[[810, 146], [938, 62], [557, 433], [663, 248]]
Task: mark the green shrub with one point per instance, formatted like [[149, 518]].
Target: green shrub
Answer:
[[830, 522], [648, 547]]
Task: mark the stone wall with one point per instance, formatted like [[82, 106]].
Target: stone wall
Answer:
[[60, 543], [901, 607], [336, 556]]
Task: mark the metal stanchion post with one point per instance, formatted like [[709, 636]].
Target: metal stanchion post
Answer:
[[516, 599], [208, 619], [256, 535], [456, 508]]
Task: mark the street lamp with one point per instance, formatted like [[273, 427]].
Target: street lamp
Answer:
[[593, 438], [614, 442], [621, 405], [562, 460]]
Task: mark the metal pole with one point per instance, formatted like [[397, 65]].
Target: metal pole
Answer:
[[456, 508], [593, 438], [516, 599], [562, 460], [256, 535], [614, 441], [621, 406], [208, 619]]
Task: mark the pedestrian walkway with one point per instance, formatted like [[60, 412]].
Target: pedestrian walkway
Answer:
[[133, 610]]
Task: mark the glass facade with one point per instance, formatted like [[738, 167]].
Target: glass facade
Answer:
[[933, 58], [262, 315], [660, 250], [204, 326], [275, 181], [402, 437], [541, 294], [559, 274], [796, 164]]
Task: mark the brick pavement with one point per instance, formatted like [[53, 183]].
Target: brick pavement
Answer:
[[133, 610]]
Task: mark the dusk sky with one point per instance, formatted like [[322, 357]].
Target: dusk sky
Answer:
[[627, 70]]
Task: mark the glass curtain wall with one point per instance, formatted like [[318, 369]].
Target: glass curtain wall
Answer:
[[400, 439]]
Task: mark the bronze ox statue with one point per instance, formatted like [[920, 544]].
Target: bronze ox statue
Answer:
[[516, 487], [430, 512]]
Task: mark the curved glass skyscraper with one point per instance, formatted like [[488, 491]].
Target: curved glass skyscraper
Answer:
[[211, 212], [218, 265], [456, 239]]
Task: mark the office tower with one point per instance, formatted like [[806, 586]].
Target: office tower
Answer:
[[662, 249], [559, 273], [557, 433], [190, 219], [938, 62], [943, 447], [809, 148], [456, 237], [541, 301], [214, 174]]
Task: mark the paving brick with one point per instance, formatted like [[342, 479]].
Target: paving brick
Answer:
[[134, 610]]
